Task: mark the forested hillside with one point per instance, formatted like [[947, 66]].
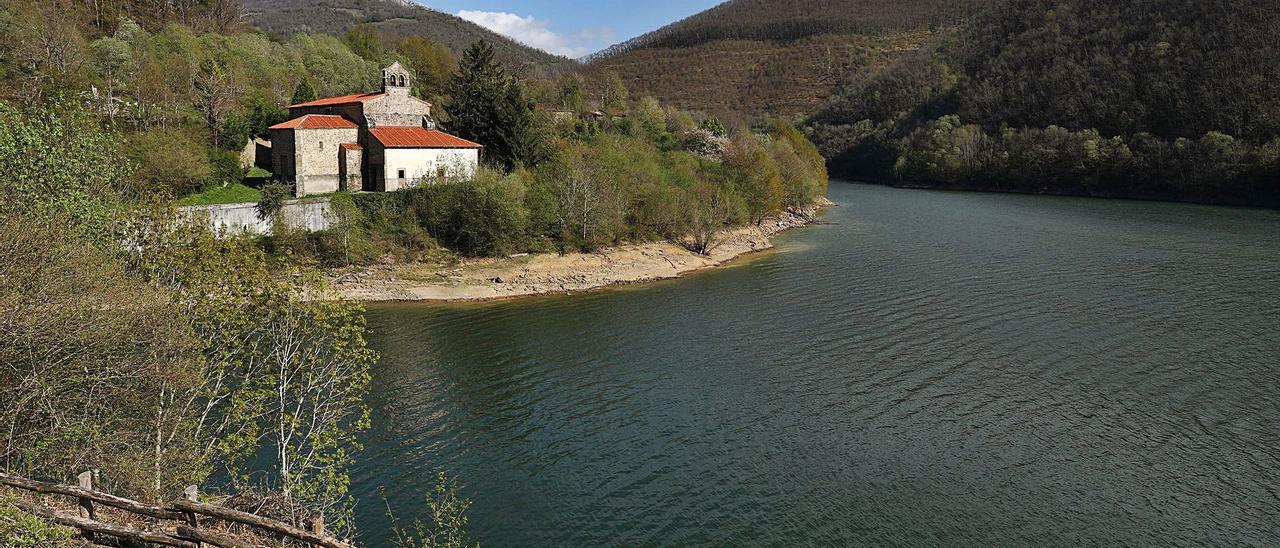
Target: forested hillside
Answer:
[[1152, 98], [397, 18], [772, 57]]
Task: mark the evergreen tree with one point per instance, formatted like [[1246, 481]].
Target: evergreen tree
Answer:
[[305, 92], [488, 106], [615, 91]]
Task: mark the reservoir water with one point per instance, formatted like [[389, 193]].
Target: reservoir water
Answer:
[[927, 369]]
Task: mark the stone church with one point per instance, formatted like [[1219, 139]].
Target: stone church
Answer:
[[379, 141]]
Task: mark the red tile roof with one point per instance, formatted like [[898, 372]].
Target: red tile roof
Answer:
[[350, 146], [341, 100], [317, 121], [418, 137]]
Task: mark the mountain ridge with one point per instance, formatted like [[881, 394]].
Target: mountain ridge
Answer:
[[399, 18]]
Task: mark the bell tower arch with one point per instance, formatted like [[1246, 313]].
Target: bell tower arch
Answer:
[[396, 80]]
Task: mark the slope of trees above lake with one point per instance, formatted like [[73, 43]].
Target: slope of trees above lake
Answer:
[[1153, 98], [769, 57]]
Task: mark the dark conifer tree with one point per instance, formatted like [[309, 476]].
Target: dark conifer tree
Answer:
[[488, 106], [305, 92]]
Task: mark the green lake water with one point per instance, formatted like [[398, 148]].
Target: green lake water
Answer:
[[926, 369]]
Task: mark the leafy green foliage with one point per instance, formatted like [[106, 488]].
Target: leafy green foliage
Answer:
[[58, 161], [333, 67], [225, 169], [599, 189], [92, 358], [169, 161], [448, 519], [283, 373], [432, 63], [365, 41], [715, 126], [347, 238], [258, 113], [1171, 68], [274, 196], [756, 176], [480, 216], [21, 530]]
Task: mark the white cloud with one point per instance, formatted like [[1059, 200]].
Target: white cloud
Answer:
[[538, 33]]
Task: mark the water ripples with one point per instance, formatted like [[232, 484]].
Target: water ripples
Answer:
[[930, 369]]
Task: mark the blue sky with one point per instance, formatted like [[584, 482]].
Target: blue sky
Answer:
[[571, 27]]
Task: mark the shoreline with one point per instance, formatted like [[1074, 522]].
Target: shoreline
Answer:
[[533, 275], [1270, 203]]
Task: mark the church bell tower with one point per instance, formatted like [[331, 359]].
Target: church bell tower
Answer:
[[396, 81]]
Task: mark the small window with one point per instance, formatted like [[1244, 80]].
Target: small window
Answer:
[[400, 174], [321, 145]]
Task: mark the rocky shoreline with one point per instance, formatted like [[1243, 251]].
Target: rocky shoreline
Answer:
[[550, 274]]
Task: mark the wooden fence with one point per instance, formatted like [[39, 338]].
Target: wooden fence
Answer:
[[186, 511]]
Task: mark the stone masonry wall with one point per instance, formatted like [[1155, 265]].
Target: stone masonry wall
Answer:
[[316, 157], [396, 108], [352, 168]]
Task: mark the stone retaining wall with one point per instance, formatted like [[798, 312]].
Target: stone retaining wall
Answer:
[[313, 215]]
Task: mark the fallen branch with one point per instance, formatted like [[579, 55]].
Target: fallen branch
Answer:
[[207, 537], [96, 496], [258, 521]]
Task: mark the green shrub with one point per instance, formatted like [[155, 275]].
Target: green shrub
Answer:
[[224, 169], [19, 529], [169, 161], [274, 196], [714, 125]]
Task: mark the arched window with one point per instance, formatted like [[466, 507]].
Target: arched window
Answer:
[[402, 84]]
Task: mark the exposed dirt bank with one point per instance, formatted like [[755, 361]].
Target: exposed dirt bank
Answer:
[[546, 274]]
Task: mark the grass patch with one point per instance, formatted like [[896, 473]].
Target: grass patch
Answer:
[[232, 194]]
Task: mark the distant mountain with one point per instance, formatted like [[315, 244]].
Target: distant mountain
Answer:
[[399, 18], [775, 57]]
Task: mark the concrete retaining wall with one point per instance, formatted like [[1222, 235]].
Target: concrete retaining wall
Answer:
[[313, 215]]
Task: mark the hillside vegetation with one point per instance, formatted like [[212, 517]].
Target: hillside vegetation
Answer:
[[399, 19], [1151, 98], [770, 57]]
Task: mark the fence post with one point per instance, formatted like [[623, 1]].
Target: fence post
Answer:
[[85, 481], [317, 523], [190, 493]]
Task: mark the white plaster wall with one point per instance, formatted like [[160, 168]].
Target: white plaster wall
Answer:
[[422, 162]]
